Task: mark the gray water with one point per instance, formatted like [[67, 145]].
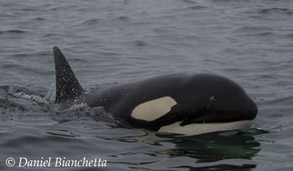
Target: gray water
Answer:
[[118, 41]]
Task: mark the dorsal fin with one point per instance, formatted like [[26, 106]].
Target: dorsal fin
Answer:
[[67, 86]]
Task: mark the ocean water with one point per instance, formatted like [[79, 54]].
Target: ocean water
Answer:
[[118, 41]]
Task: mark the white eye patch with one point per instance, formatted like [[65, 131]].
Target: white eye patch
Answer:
[[154, 109]]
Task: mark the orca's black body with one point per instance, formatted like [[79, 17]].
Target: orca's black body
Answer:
[[164, 103]]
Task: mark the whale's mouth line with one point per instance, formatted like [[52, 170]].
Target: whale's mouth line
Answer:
[[221, 117], [201, 128]]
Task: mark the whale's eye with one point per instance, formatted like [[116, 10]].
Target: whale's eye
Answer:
[[153, 109]]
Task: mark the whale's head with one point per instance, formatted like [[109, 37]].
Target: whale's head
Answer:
[[224, 101], [204, 103]]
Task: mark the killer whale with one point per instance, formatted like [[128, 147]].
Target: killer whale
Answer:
[[175, 103]]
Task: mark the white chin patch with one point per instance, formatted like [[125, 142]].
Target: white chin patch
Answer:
[[153, 109], [195, 129]]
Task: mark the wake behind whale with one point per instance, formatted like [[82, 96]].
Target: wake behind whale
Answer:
[[175, 103]]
